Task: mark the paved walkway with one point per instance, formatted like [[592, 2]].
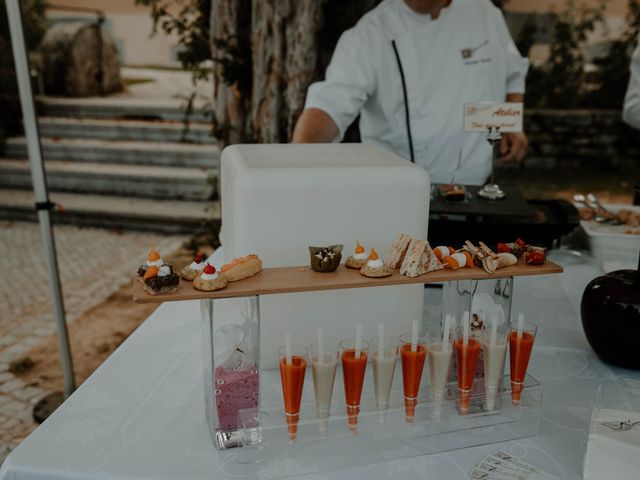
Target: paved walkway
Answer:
[[93, 263]]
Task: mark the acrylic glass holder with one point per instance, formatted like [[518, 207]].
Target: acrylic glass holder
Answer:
[[324, 444]]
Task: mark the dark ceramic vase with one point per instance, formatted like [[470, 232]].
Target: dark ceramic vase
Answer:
[[610, 312]]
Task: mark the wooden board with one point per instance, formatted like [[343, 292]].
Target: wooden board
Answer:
[[302, 279]]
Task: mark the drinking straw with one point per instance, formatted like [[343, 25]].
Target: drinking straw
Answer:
[[520, 325], [447, 328], [465, 329], [358, 339], [414, 336], [287, 347], [320, 345], [494, 331], [380, 340]]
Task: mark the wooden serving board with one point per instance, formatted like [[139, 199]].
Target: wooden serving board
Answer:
[[303, 279]]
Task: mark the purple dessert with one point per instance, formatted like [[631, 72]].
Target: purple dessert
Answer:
[[235, 390]]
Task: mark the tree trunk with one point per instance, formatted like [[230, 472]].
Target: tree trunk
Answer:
[[267, 53]]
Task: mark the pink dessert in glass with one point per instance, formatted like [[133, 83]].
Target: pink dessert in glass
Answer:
[[235, 390]]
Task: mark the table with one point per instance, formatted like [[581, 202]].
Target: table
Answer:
[[140, 415]]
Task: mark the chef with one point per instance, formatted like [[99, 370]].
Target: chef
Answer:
[[407, 68], [631, 110]]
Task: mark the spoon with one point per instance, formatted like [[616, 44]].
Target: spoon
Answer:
[[609, 215]]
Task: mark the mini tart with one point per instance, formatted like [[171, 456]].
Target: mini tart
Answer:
[[377, 272], [356, 263], [210, 285], [158, 285], [189, 273]]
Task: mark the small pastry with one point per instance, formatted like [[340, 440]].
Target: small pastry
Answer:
[[159, 280], [374, 266], [242, 267], [358, 259], [459, 260], [209, 280], [535, 255], [443, 252], [398, 251], [515, 248], [194, 269], [325, 259], [153, 260]]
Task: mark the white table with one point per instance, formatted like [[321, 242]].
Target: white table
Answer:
[[141, 414]]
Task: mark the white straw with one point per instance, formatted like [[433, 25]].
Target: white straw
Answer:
[[465, 329], [287, 347], [494, 331], [414, 336], [320, 345], [447, 328], [520, 325], [380, 340], [358, 339]]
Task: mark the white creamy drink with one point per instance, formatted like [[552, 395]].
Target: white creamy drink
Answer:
[[439, 364], [324, 374], [383, 368], [494, 356]]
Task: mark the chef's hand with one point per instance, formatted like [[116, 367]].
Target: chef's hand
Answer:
[[513, 147]]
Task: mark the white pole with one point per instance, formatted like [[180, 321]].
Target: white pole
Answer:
[[39, 185]]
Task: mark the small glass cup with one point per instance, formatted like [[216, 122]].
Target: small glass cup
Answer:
[[520, 347], [412, 367], [292, 377], [383, 360], [324, 375], [467, 355], [354, 366], [494, 354]]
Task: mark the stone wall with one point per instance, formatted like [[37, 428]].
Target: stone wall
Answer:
[[594, 139]]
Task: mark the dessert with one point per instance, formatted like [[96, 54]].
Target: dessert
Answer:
[[242, 267], [358, 259], [210, 280], [488, 259], [398, 251], [191, 271], [453, 193], [159, 280], [516, 248], [443, 252], [374, 266], [458, 260], [535, 255], [419, 259], [325, 259], [153, 260]]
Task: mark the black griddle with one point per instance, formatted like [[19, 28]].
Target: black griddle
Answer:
[[537, 222]]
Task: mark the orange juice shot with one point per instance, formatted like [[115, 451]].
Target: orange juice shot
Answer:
[[521, 339], [354, 365], [467, 354], [413, 353], [292, 371]]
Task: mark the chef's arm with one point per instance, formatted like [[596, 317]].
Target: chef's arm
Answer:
[[314, 126], [514, 145]]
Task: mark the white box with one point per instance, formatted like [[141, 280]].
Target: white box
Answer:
[[279, 199]]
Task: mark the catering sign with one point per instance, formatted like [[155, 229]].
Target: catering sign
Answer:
[[480, 117]]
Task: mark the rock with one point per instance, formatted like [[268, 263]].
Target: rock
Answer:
[[79, 59]]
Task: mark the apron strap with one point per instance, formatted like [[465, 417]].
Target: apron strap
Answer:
[[406, 100]]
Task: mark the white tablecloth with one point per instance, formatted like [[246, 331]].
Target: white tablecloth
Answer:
[[141, 414]]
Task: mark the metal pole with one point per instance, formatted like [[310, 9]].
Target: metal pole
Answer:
[[43, 205]]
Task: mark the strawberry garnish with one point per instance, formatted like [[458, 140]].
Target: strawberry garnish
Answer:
[[503, 248], [209, 269], [198, 257], [520, 243]]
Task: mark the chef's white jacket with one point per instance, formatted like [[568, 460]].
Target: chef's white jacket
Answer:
[[631, 111], [465, 55]]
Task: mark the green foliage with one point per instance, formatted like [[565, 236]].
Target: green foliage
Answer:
[[612, 76], [34, 26], [560, 81]]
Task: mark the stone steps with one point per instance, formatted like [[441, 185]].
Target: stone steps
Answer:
[[132, 130], [114, 107], [163, 154], [131, 213], [111, 179]]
